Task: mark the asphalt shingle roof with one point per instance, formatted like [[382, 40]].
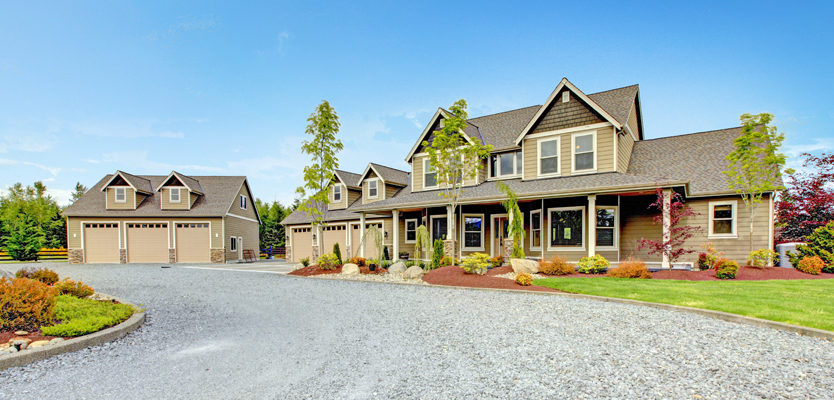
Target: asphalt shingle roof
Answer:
[[300, 217], [190, 182], [500, 130], [140, 183], [349, 178], [617, 102], [391, 175]]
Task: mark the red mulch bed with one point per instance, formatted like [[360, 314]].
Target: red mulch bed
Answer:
[[315, 270], [454, 276], [744, 274], [33, 336]]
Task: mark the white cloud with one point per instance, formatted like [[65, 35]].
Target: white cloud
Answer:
[[51, 170], [48, 180], [6, 161], [62, 196], [137, 162], [90, 161], [25, 140], [124, 129]]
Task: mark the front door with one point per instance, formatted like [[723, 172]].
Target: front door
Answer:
[[502, 231], [439, 226]]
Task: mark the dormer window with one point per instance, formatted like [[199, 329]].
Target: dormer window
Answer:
[[175, 195], [373, 191], [120, 195], [242, 202], [584, 152], [506, 165], [337, 194]]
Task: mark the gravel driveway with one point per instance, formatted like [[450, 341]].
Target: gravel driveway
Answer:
[[233, 334]]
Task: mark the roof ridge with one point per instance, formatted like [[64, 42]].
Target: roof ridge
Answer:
[[503, 112], [688, 134], [385, 166], [611, 90]]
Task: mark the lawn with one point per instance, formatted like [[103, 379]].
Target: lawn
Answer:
[[800, 302], [82, 316]]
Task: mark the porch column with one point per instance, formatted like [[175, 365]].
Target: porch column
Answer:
[[362, 234], [667, 209], [449, 242], [592, 225], [396, 255]]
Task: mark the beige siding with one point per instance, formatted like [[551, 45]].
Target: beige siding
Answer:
[[636, 222], [366, 188], [605, 149], [417, 173], [249, 212], [248, 230], [530, 158], [192, 199], [391, 190], [140, 198], [165, 199], [632, 121], [625, 144], [604, 146], [129, 204], [406, 247], [352, 195], [341, 204]]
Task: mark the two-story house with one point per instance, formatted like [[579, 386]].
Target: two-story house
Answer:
[[129, 218], [585, 176]]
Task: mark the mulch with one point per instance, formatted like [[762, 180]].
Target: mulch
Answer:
[[455, 276], [34, 336], [744, 274], [315, 270]]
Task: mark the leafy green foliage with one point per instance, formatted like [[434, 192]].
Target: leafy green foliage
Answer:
[[711, 255], [475, 263], [516, 219], [447, 261], [437, 254], [726, 269], [305, 261], [422, 241], [328, 261], [593, 265], [819, 243], [762, 258], [82, 316], [524, 279], [30, 217], [337, 252], [78, 192], [359, 261], [24, 238], [25, 304], [810, 265], [374, 235], [271, 231], [73, 288]]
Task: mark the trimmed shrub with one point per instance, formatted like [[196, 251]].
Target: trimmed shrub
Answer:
[[337, 252], [328, 261], [631, 268], [524, 279], [73, 288], [447, 261], [305, 261], [811, 265], [476, 263], [703, 262], [726, 269], [358, 261], [762, 258], [558, 265], [46, 276], [82, 316], [25, 304], [436, 254], [593, 265], [820, 243], [496, 261], [409, 264]]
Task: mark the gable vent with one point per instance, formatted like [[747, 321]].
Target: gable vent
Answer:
[[566, 96]]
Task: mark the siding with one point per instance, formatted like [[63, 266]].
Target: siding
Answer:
[[626, 144], [390, 191], [74, 227], [165, 199], [338, 205], [352, 195], [636, 221], [249, 212], [366, 189], [192, 199], [237, 227], [566, 115], [604, 146], [129, 197], [632, 121], [605, 149], [417, 173], [407, 247]]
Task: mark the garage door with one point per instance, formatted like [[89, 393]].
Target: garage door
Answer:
[[332, 235], [101, 243], [193, 243], [147, 243], [356, 241], [302, 244]]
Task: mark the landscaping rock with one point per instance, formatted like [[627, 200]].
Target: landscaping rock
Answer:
[[20, 343], [12, 349], [350, 269], [397, 268], [56, 341], [21, 333], [521, 265], [38, 343], [414, 272]]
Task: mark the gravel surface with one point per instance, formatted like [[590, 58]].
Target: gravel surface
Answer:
[[234, 334]]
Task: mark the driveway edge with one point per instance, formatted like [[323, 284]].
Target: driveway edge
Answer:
[[22, 358]]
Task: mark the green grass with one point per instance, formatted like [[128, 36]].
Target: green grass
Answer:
[[82, 316], [800, 302]]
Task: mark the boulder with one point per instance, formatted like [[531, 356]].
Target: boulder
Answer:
[[414, 272], [56, 341], [522, 266], [21, 333], [350, 269], [38, 343], [397, 268], [20, 343]]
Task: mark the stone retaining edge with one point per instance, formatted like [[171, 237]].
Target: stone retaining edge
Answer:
[[22, 358], [725, 316]]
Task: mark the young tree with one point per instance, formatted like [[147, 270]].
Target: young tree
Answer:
[[271, 230], [23, 239], [454, 157], [78, 192], [808, 201], [516, 219], [32, 202], [318, 177], [755, 162], [671, 247]]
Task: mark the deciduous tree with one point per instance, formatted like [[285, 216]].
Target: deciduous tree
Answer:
[[808, 201], [677, 210], [516, 219]]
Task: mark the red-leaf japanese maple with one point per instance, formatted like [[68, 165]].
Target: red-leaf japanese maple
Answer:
[[808, 201], [672, 246]]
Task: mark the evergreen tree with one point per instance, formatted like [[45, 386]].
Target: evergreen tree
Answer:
[[24, 239]]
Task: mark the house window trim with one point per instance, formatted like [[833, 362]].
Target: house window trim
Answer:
[[573, 137], [243, 202], [233, 244], [463, 232], [116, 195], [734, 234], [431, 227], [584, 246], [405, 229], [171, 195], [558, 156], [518, 170], [616, 230], [425, 170], [341, 190], [541, 224], [369, 187]]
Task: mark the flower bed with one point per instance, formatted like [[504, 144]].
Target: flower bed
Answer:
[[315, 270], [455, 276]]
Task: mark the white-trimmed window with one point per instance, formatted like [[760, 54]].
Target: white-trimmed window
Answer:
[[121, 197], [232, 243], [411, 230], [583, 152], [429, 175], [723, 219], [174, 195], [536, 230], [242, 202], [505, 165], [337, 193], [473, 232], [607, 227], [567, 228], [548, 157], [373, 188]]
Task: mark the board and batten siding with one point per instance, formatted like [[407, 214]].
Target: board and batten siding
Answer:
[[74, 227], [165, 199], [130, 199], [237, 227], [249, 212]]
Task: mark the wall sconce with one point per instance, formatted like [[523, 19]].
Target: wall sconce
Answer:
[[386, 234], [314, 237]]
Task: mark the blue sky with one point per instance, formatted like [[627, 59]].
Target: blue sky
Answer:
[[221, 88]]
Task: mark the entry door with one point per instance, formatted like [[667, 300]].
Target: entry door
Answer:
[[439, 228], [502, 231]]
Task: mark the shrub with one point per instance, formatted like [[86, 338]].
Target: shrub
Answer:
[[337, 252], [421, 264], [358, 261], [820, 243], [476, 263], [762, 258], [385, 263], [711, 253], [371, 261], [703, 262], [496, 261], [73, 288], [25, 304], [46, 276], [305, 261], [524, 279], [811, 265], [409, 264], [726, 269], [631, 268], [558, 265], [437, 254], [447, 261], [328, 261], [82, 316], [593, 265], [26, 273]]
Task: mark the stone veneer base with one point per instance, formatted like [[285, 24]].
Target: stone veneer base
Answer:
[[75, 256], [218, 256]]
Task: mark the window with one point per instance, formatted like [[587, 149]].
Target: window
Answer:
[[233, 244], [505, 164], [536, 230], [473, 232], [549, 156], [410, 230], [120, 195], [722, 219], [373, 191], [583, 153], [337, 193], [175, 195], [242, 202], [566, 228], [606, 227], [429, 175]]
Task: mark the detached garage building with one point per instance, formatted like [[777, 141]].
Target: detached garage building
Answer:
[[128, 218]]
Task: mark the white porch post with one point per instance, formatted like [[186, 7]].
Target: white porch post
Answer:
[[667, 209], [592, 225], [362, 234], [396, 255], [450, 224]]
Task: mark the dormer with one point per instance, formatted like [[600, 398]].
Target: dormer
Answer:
[[344, 190], [178, 192], [379, 182], [125, 191]]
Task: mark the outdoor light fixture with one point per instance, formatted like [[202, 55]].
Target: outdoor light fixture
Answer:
[[386, 234], [314, 237]]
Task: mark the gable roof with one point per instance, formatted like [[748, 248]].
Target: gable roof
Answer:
[[300, 217], [500, 130], [389, 175], [138, 183], [348, 178], [189, 182], [219, 192], [471, 131], [617, 102]]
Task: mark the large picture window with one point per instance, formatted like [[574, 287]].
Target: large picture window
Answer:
[[473, 232], [505, 164], [536, 230], [429, 175], [606, 227], [549, 156], [566, 227], [584, 152], [410, 230]]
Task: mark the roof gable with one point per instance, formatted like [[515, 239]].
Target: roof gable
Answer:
[[187, 181], [388, 175], [469, 132], [139, 184], [349, 179]]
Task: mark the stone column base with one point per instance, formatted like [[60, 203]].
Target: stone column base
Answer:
[[218, 256], [449, 248], [288, 253], [122, 256], [508, 248], [75, 256], [172, 256], [315, 255]]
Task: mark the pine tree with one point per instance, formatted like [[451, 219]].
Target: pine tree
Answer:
[[24, 239], [337, 252]]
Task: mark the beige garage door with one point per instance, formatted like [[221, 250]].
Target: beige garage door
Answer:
[[193, 243], [356, 241], [101, 243], [332, 235], [147, 243], [302, 244]]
